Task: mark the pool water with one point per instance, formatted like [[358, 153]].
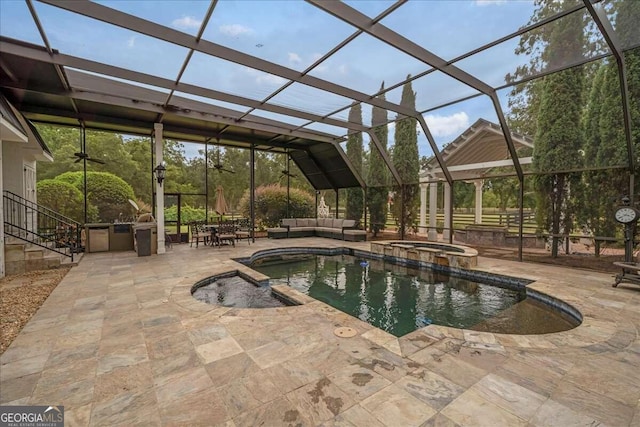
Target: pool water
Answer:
[[236, 292], [397, 300]]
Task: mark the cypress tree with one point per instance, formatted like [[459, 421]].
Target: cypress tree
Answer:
[[407, 163], [355, 200], [627, 18], [605, 138], [558, 137], [378, 173], [594, 181], [612, 150]]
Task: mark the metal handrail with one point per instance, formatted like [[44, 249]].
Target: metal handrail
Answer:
[[40, 226], [41, 208]]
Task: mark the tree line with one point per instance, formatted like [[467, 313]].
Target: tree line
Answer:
[[576, 117]]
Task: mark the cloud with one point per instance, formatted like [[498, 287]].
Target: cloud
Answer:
[[447, 125], [489, 2], [235, 30], [294, 58], [186, 22], [131, 42], [322, 68], [265, 78]]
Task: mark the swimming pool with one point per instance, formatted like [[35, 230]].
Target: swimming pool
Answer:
[[394, 298]]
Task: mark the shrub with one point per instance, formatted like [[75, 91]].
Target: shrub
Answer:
[[64, 198], [271, 204], [106, 191], [187, 214]]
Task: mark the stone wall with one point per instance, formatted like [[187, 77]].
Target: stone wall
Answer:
[[495, 236]]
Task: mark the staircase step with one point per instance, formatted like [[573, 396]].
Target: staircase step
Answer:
[[34, 252], [10, 240], [14, 252], [66, 261]]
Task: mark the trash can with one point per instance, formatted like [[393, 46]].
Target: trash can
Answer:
[[143, 239], [146, 243]]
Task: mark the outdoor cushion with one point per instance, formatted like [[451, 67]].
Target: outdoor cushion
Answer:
[[349, 223], [354, 232], [291, 222], [302, 229], [277, 233], [355, 235], [325, 222], [321, 227], [326, 229]]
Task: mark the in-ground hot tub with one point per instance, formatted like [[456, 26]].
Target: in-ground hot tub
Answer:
[[456, 256], [234, 289]]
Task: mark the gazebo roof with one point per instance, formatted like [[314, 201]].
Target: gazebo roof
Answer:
[[478, 150]]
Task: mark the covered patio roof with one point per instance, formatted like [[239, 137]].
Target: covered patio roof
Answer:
[[21, 125], [49, 94]]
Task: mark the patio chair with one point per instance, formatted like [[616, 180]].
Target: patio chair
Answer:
[[197, 234], [226, 232], [243, 229]]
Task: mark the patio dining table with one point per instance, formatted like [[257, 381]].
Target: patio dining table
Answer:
[[213, 229]]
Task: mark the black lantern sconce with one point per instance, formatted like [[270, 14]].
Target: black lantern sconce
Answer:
[[160, 171]]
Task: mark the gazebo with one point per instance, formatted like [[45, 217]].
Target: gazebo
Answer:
[[479, 151]]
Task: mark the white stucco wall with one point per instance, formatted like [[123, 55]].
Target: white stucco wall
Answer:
[[13, 164], [12, 142]]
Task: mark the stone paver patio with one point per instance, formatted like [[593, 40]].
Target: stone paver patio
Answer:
[[120, 341]]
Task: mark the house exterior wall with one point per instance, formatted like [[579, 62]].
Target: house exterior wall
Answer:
[[11, 175], [20, 148]]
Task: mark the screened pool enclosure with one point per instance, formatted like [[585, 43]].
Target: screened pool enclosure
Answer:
[[408, 113]]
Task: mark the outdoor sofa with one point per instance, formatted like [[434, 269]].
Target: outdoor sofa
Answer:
[[333, 228]]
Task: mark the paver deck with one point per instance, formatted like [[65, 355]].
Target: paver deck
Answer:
[[120, 341]]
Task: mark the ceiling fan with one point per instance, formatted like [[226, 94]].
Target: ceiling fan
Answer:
[[219, 166], [84, 156]]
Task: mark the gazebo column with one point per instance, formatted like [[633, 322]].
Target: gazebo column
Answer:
[[159, 143], [423, 207], [433, 211], [446, 233], [478, 207]]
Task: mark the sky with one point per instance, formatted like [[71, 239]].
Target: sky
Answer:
[[294, 34]]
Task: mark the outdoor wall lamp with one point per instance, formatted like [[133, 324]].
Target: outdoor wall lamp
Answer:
[[160, 171]]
